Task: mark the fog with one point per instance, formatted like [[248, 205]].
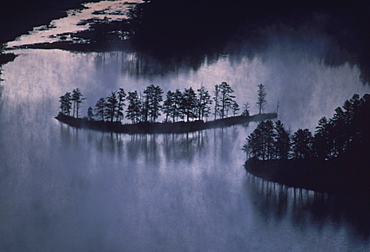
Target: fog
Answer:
[[63, 189]]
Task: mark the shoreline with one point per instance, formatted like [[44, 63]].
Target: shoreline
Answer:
[[166, 127], [340, 176]]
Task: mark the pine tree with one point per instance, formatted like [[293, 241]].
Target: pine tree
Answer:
[[204, 101], [246, 109], [216, 99], [121, 97], [302, 144], [178, 111], [152, 106], [90, 114], [261, 99], [235, 108], [226, 99], [189, 102], [65, 103], [282, 141], [134, 108], [111, 107], [169, 105], [77, 99], [100, 109]]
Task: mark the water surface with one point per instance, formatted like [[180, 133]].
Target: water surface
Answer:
[[73, 190]]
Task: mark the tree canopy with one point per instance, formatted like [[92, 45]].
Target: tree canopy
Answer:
[[346, 133]]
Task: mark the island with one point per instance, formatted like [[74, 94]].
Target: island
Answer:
[[184, 111], [165, 127]]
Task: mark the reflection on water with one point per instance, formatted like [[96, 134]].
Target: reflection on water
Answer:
[[102, 191], [308, 210], [155, 147]]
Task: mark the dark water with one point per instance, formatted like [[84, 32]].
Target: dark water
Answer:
[[63, 189]]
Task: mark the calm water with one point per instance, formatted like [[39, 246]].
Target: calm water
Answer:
[[63, 189]]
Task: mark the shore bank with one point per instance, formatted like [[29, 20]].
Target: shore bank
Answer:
[[150, 128], [341, 176]]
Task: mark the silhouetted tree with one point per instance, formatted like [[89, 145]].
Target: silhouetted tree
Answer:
[[260, 143], [77, 99], [253, 147], [235, 108], [100, 109], [282, 141], [111, 107], [322, 142], [216, 99], [153, 98], [261, 98], [90, 114], [189, 103], [121, 97], [204, 101], [225, 98], [302, 144], [178, 112], [246, 109], [173, 105], [169, 105], [134, 107], [65, 103], [346, 133]]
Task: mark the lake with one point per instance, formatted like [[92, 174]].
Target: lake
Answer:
[[64, 189]]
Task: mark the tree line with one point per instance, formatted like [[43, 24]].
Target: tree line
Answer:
[[346, 133], [177, 105]]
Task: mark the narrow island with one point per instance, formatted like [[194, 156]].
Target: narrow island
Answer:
[[183, 112], [335, 159]]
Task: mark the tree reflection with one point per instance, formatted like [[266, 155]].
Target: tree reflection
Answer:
[[154, 148], [305, 208], [184, 146]]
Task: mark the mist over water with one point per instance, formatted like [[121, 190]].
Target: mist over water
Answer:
[[71, 190]]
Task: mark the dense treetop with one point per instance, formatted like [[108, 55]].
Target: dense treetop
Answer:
[[188, 105], [345, 134]]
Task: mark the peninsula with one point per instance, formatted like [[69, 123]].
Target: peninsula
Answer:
[[335, 159]]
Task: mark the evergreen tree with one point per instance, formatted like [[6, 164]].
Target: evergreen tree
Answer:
[[189, 103], [225, 98], [282, 141], [235, 108], [246, 109], [111, 107], [77, 99], [169, 105], [302, 144], [121, 97], [322, 144], [90, 114], [134, 107], [153, 98], [261, 99], [65, 103], [260, 143], [178, 111], [204, 101], [216, 98], [100, 109]]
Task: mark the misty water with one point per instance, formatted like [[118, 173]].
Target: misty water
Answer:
[[67, 189]]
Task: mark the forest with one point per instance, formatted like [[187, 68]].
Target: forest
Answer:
[[335, 158], [188, 105], [346, 133]]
